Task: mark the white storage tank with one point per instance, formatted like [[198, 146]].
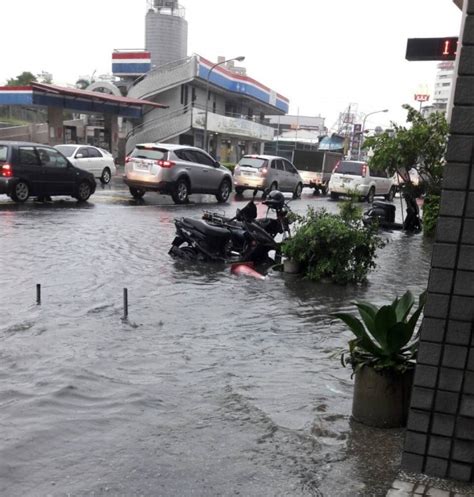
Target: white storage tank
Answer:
[[166, 32]]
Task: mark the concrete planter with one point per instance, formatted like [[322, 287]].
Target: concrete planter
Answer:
[[381, 400], [290, 266]]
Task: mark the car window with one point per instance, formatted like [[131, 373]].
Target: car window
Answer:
[[93, 152], [279, 165], [142, 152], [203, 158], [289, 167], [51, 157], [273, 165], [379, 174], [348, 167], [67, 150], [84, 151], [186, 155], [28, 157], [256, 162], [3, 153]]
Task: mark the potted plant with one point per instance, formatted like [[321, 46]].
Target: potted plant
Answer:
[[333, 247], [382, 356]]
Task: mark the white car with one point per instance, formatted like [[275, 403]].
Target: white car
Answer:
[[351, 176], [97, 161]]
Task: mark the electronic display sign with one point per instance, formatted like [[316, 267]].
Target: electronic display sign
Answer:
[[432, 48]]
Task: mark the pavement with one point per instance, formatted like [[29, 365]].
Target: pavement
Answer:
[[417, 485]]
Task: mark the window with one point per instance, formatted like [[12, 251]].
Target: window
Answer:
[[67, 150], [203, 158], [186, 155], [279, 165], [256, 162], [93, 152], [3, 153], [348, 167], [28, 156], [50, 157], [83, 151], [289, 167], [149, 153]]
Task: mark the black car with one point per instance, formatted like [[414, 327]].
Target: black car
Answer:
[[32, 169]]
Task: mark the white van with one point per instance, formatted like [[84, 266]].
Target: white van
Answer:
[[351, 176]]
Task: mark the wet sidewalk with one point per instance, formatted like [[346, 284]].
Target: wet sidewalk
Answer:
[[409, 485]]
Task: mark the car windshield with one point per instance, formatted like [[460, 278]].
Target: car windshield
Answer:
[[66, 150], [256, 162], [149, 153], [348, 167], [3, 153]]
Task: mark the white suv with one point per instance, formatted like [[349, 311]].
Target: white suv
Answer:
[[350, 176]]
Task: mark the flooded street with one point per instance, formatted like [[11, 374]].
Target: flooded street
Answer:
[[215, 386]]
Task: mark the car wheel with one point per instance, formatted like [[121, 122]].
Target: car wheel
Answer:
[[106, 176], [180, 193], [391, 194], [239, 191], [136, 193], [21, 192], [298, 190], [84, 191], [334, 195], [371, 195], [224, 191]]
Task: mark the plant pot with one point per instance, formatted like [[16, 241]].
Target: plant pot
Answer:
[[291, 266], [382, 400]]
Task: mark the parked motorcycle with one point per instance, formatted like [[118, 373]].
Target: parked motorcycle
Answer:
[[241, 238], [383, 214]]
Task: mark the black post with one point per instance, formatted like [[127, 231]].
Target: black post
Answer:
[[38, 294], [125, 303]]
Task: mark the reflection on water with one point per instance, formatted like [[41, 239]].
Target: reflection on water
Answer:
[[217, 385]]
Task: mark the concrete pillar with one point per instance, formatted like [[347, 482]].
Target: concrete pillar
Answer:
[[112, 131], [55, 125], [440, 432]]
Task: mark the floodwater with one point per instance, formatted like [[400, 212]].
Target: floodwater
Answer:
[[214, 386]]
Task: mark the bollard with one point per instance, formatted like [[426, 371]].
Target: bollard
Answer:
[[38, 294], [125, 303]]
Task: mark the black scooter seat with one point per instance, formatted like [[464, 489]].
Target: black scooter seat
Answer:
[[205, 228]]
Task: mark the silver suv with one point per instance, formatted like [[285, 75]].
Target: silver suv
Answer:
[[177, 170], [350, 176], [267, 172]]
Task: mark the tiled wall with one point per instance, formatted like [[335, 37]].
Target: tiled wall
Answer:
[[440, 432]]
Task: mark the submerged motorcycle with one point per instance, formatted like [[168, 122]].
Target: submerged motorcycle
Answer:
[[383, 215], [243, 238]]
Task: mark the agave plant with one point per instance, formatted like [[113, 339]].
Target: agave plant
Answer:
[[385, 338]]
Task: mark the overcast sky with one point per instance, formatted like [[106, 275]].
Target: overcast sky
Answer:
[[322, 55]]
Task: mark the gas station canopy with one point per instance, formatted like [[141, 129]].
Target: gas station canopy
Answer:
[[47, 95]]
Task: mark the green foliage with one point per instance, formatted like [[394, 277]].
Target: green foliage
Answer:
[[348, 209], [421, 146], [329, 246], [23, 79], [430, 214], [229, 165], [385, 338]]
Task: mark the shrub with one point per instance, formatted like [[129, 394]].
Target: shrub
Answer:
[[430, 214], [329, 246]]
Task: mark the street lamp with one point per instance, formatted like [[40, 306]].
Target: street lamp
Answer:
[[363, 129], [238, 59]]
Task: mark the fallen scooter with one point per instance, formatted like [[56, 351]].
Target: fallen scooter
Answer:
[[383, 215], [243, 238]]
